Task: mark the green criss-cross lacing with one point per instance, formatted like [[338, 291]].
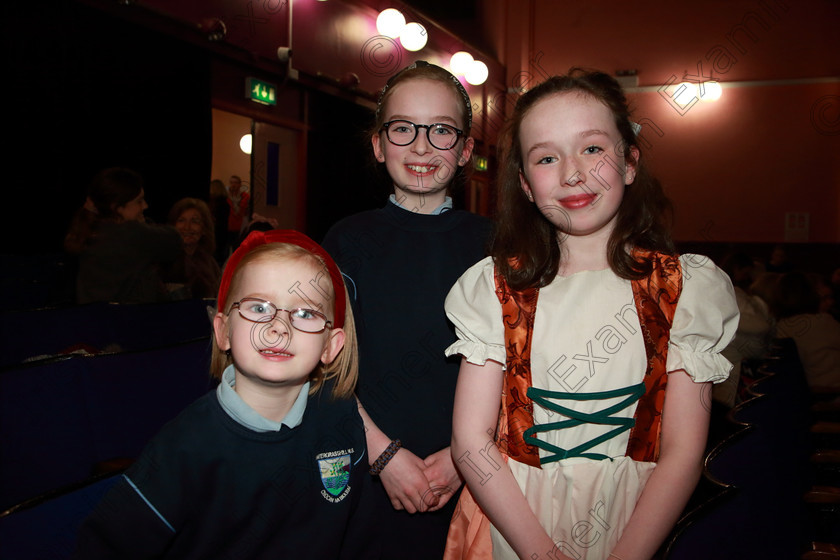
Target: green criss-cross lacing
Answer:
[[541, 396]]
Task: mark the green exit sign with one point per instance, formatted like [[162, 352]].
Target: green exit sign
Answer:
[[261, 92], [480, 163]]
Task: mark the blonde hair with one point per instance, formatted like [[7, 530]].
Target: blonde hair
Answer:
[[344, 369]]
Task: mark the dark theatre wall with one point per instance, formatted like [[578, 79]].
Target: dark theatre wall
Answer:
[[93, 84], [84, 91], [341, 176]]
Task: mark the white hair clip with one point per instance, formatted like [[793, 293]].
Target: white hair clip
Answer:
[[636, 127]]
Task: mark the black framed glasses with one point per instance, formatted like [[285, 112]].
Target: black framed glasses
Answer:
[[440, 135], [261, 311]]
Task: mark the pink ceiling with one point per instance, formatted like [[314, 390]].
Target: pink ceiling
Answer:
[[332, 40]]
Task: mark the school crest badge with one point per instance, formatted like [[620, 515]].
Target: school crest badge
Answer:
[[335, 474]]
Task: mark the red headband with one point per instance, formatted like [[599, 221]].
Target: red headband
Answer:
[[257, 238]]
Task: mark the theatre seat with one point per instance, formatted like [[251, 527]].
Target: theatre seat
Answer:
[[39, 334], [60, 420], [822, 551], [763, 471], [46, 528]]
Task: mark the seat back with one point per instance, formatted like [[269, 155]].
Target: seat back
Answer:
[[47, 528], [39, 334], [61, 418]]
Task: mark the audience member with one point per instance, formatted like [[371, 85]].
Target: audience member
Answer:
[[120, 256], [816, 334], [766, 287], [755, 326], [779, 260], [258, 222], [828, 295], [220, 211], [238, 204], [195, 273]]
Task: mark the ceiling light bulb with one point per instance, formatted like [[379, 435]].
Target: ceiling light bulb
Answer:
[[685, 93], [460, 62], [711, 91], [390, 23], [414, 36], [477, 73]]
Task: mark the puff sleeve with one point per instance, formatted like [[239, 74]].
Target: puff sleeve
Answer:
[[705, 321], [474, 309]]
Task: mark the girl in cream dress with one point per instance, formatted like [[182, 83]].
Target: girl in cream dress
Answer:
[[600, 341]]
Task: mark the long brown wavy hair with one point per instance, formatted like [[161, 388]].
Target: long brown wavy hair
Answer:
[[526, 247]]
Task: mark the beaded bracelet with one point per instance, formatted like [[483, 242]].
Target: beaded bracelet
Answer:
[[386, 456]]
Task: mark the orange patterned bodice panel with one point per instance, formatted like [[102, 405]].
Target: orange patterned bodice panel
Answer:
[[655, 297]]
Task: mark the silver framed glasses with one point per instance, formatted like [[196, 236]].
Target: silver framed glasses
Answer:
[[261, 311], [440, 135]]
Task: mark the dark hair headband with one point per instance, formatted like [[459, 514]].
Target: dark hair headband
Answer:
[[422, 64], [292, 237]]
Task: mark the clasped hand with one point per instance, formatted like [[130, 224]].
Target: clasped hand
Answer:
[[416, 484]]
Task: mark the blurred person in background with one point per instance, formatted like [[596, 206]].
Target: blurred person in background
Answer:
[[195, 273], [120, 255]]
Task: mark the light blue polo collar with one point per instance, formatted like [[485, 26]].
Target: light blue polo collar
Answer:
[[239, 410], [447, 205]]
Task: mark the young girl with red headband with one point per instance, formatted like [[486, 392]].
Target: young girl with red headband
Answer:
[[276, 454]]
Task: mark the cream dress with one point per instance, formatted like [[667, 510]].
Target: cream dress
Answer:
[[587, 338]]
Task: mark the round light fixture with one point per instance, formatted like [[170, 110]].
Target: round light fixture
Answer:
[[685, 93], [245, 144], [413, 36], [390, 23], [460, 63], [477, 73], [711, 91]]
